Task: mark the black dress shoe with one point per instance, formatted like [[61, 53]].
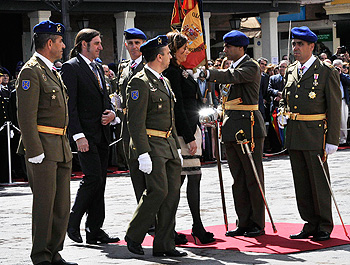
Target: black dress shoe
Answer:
[[43, 263], [100, 237], [321, 236], [254, 232], [301, 235], [134, 247], [180, 239], [74, 234], [171, 253], [239, 231], [63, 262]]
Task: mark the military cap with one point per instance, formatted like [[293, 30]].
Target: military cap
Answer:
[[49, 27], [159, 41], [236, 38], [303, 33], [134, 33]]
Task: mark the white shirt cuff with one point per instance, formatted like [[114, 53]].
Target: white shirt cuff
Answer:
[[78, 136]]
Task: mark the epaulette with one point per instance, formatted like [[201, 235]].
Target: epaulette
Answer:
[[291, 67], [330, 66], [31, 63], [255, 62]]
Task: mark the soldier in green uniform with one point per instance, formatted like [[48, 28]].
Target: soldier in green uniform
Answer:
[[240, 105], [154, 142], [311, 101], [134, 38], [43, 119]]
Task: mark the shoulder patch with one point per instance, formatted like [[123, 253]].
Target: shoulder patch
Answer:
[[25, 84], [134, 94]]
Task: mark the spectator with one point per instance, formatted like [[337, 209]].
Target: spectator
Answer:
[[264, 82], [323, 56]]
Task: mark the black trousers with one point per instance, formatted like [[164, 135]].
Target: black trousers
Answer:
[[90, 195]]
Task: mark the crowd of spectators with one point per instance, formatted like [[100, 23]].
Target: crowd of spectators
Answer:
[[271, 86]]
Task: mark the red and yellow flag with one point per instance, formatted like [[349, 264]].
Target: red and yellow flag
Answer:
[[192, 28], [177, 16]]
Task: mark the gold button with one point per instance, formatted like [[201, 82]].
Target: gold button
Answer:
[[313, 87], [295, 107], [319, 125], [214, 81], [298, 86], [296, 96], [54, 90], [160, 99]]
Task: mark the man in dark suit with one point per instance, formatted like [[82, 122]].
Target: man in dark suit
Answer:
[[264, 100], [311, 100], [134, 38], [242, 113], [154, 143], [43, 119], [90, 112]]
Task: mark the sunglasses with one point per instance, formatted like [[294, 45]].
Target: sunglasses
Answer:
[[345, 67]]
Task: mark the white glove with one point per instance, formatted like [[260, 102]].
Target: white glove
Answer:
[[331, 148], [282, 121], [145, 163], [181, 158], [37, 159]]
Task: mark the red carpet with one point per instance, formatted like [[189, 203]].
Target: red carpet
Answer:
[[270, 243]]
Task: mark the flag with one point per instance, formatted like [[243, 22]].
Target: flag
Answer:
[[177, 17], [192, 27]]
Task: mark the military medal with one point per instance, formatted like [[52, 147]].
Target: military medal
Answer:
[[44, 77], [53, 96], [312, 95], [185, 74], [315, 83]]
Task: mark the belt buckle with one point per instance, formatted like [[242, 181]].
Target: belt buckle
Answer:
[[167, 134]]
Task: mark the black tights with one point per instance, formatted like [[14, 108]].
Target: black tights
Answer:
[[193, 199]]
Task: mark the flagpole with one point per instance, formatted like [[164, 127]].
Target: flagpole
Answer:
[[290, 26]]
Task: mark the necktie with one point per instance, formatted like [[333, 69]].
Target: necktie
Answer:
[[94, 70], [133, 64], [161, 78]]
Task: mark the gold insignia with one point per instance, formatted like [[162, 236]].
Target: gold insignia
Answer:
[[312, 95], [160, 106], [153, 89], [59, 28], [53, 96], [44, 77], [159, 40]]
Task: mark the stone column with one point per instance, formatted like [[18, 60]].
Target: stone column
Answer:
[[206, 16], [123, 20], [336, 41], [35, 18], [269, 38]]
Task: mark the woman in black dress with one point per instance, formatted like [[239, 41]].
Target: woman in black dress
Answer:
[[187, 106]]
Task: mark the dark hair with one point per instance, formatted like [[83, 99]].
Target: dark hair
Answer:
[[176, 41], [41, 39], [83, 35], [151, 54]]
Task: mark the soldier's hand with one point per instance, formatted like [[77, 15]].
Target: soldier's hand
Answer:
[[82, 145], [331, 148], [107, 117], [145, 163]]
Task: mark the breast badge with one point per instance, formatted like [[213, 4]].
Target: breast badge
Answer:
[[185, 74], [135, 94], [44, 77], [53, 96], [312, 95], [315, 83], [26, 84]]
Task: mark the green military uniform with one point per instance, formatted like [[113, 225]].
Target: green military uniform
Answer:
[[150, 106], [245, 80], [317, 92], [137, 176], [42, 101]]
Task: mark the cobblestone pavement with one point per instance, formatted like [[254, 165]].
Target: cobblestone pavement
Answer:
[[15, 219]]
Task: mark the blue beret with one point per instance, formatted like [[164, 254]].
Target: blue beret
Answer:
[[236, 38], [159, 41], [303, 33], [134, 33], [49, 27]]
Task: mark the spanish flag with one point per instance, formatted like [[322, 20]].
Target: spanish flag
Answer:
[[192, 27], [178, 16]]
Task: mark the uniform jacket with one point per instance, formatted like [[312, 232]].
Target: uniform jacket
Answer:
[[188, 101], [149, 106], [87, 101], [307, 96], [245, 80], [42, 100], [125, 75]]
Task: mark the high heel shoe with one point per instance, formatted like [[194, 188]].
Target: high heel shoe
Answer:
[[204, 238]]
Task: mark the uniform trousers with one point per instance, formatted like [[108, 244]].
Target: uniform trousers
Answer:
[[50, 184], [90, 195], [249, 203], [137, 176], [160, 200], [312, 191]]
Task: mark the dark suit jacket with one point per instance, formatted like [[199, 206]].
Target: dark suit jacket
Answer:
[[345, 80], [301, 95], [86, 101], [276, 84], [188, 101], [246, 83], [264, 83]]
